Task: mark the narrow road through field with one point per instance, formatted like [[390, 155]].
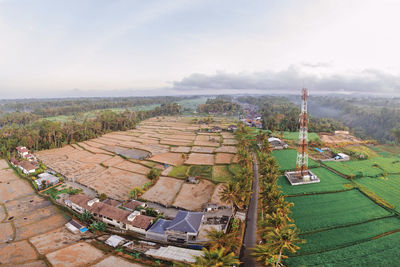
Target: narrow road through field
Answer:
[[250, 234]]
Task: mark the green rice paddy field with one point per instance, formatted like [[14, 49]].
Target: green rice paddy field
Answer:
[[295, 136], [387, 188], [330, 181], [287, 159], [366, 168], [322, 211], [384, 251]]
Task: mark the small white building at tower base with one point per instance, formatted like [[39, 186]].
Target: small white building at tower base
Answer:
[[295, 177]]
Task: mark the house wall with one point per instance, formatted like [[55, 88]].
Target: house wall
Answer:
[[112, 222], [156, 236], [135, 229]]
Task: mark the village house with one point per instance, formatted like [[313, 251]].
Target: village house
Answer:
[[46, 179], [112, 202], [22, 151], [27, 167], [133, 205], [183, 228], [277, 143], [110, 215], [14, 162]]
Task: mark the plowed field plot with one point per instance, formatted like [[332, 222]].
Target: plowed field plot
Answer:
[[330, 181], [287, 159], [181, 149], [371, 167], [13, 189], [227, 149], [384, 251], [206, 143], [133, 167], [6, 232], [16, 252], [131, 153], [78, 254], [200, 159], [194, 196], [339, 237], [114, 161], [174, 142], [322, 211], [3, 164], [169, 158], [388, 188], [229, 142], [54, 240], [115, 183], [223, 158], [40, 227], [92, 148], [117, 262], [203, 149], [164, 191]]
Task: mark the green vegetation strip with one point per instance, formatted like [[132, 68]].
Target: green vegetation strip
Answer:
[[295, 136], [374, 167], [203, 171], [345, 236], [330, 182], [324, 211], [179, 172], [383, 251], [287, 159], [387, 188]]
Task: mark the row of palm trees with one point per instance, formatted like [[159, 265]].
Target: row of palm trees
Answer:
[[278, 233]]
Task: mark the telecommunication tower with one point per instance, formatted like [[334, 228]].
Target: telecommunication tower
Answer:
[[302, 149]]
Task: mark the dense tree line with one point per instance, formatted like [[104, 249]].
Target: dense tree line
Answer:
[[71, 106], [279, 114], [44, 134], [377, 118], [219, 105]]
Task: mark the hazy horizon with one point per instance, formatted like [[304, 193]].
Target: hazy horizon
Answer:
[[53, 49]]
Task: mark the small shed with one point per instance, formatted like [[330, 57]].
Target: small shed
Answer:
[[344, 156]]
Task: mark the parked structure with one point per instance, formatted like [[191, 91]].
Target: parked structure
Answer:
[[46, 179], [277, 143]]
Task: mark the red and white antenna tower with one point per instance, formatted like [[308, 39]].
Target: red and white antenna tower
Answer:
[[302, 149]]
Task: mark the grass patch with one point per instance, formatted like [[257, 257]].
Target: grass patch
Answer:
[[54, 192], [295, 136], [330, 181], [179, 172], [221, 174], [287, 159], [234, 169], [203, 171], [322, 211]]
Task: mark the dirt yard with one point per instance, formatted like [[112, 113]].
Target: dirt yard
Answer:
[[164, 191], [117, 262], [200, 159], [194, 196]]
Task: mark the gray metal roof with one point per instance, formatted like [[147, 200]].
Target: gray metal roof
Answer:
[[187, 222]]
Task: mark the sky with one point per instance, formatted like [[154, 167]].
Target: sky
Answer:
[[54, 48]]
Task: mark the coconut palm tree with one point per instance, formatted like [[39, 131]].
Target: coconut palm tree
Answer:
[[231, 194], [264, 255], [219, 239], [216, 257], [283, 239]]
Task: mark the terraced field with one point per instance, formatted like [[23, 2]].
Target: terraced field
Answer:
[[323, 211], [387, 188]]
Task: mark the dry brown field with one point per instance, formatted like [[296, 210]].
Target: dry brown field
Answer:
[[223, 158], [227, 149], [115, 261], [203, 149], [164, 191], [216, 196], [78, 254], [98, 167], [194, 196], [175, 159], [339, 139], [200, 159], [180, 149], [17, 253]]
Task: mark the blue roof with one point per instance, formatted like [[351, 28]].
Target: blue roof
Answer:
[[187, 222], [159, 226], [84, 229]]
